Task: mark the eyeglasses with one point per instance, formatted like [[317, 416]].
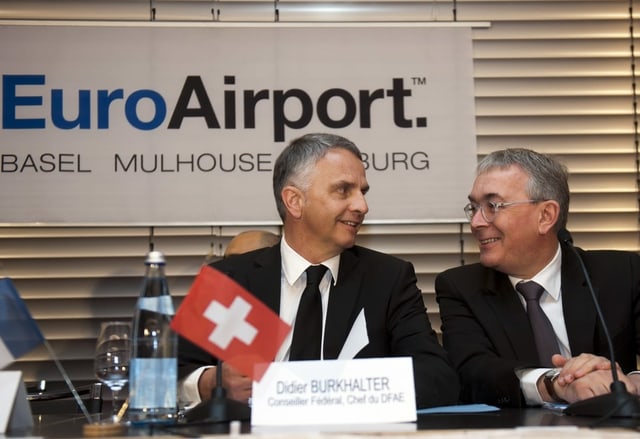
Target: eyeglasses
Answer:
[[490, 209]]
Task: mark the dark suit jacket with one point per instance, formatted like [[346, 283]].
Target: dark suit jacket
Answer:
[[487, 333], [384, 286]]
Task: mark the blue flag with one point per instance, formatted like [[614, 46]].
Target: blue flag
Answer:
[[19, 333]]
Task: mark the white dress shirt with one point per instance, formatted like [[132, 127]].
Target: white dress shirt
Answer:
[[293, 283], [551, 303]]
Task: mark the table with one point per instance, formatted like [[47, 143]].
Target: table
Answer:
[[527, 423]]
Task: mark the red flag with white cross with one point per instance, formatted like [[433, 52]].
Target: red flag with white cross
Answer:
[[226, 320]]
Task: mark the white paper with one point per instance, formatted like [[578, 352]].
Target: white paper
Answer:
[[357, 339]]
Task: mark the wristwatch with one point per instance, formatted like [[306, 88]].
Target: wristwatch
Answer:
[[548, 379]]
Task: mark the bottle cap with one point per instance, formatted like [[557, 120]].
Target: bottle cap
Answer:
[[155, 257]]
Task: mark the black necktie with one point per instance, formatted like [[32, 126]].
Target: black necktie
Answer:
[[307, 331], [543, 332]]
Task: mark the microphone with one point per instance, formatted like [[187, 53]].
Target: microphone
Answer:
[[219, 408], [619, 402]]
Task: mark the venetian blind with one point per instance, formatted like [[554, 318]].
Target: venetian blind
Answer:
[[555, 76]]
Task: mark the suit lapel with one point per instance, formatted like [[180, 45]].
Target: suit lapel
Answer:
[[579, 313], [510, 316], [342, 311], [264, 280]]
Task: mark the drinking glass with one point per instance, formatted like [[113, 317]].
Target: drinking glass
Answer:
[[112, 359]]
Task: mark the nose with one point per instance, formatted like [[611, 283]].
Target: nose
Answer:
[[360, 203], [477, 220]]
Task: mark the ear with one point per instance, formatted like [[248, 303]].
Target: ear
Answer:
[[549, 214], [293, 199]]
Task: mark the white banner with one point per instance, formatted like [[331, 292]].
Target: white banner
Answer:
[[151, 125]]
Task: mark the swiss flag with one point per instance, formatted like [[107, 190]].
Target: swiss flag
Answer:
[[227, 321]]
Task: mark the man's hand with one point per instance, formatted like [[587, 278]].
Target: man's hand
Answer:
[[635, 379], [586, 376], [237, 385], [578, 367]]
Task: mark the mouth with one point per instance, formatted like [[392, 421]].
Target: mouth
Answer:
[[488, 241], [354, 224]]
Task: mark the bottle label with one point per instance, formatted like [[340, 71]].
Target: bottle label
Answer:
[[159, 304], [153, 383]]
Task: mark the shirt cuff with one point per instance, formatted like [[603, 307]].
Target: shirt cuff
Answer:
[[529, 385], [188, 393]]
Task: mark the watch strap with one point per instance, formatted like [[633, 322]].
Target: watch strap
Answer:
[[548, 379]]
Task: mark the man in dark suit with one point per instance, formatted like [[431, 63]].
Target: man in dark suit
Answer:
[[319, 184], [518, 204]]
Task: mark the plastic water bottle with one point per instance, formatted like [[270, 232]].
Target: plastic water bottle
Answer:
[[153, 370]]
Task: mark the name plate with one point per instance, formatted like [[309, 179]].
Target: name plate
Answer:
[[361, 391]]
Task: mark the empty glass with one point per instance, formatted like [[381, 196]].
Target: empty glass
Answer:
[[112, 359]]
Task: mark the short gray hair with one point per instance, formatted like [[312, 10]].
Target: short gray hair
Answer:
[[548, 178], [296, 161]]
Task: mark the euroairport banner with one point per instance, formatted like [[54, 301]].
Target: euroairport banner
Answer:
[[118, 124]]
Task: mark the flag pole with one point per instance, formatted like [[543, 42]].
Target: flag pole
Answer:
[[64, 374]]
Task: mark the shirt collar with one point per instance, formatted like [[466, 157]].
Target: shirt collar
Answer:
[[549, 277], [293, 265]]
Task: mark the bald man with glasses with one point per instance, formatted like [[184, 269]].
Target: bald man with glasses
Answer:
[[520, 325]]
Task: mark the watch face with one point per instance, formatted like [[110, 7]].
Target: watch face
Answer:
[[552, 374]]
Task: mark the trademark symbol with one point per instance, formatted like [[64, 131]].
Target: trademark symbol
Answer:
[[419, 80]]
